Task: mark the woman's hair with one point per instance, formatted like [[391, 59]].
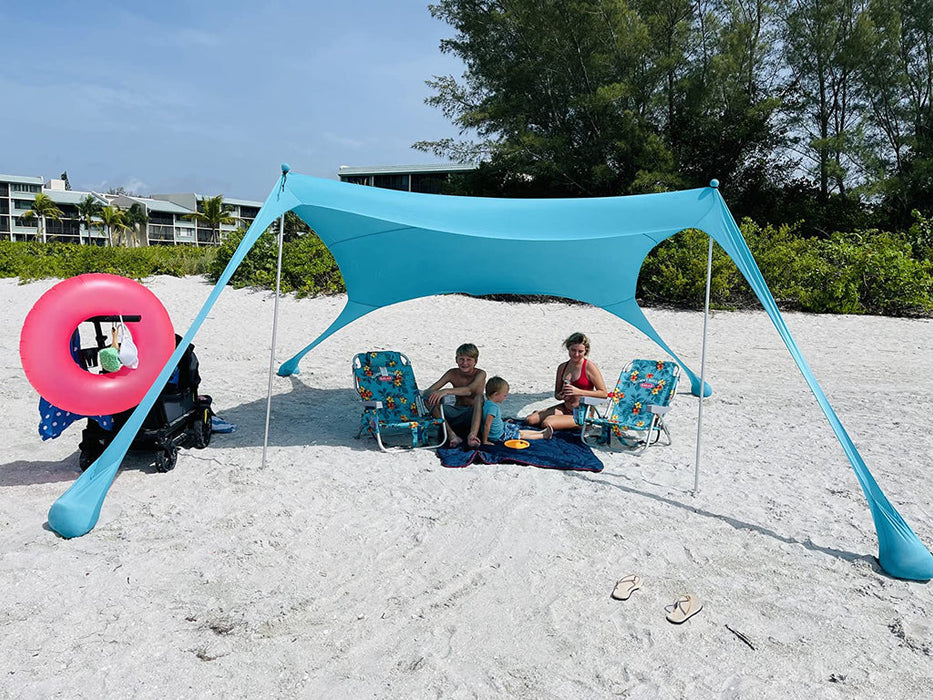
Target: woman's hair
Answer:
[[495, 385], [577, 339], [468, 350]]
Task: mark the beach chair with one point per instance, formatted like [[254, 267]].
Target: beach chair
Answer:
[[634, 411], [386, 384]]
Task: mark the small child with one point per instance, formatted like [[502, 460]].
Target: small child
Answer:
[[497, 430]]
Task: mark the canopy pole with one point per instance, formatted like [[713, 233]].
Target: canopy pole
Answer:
[[709, 277], [275, 329]]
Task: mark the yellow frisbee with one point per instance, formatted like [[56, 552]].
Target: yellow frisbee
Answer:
[[516, 444]]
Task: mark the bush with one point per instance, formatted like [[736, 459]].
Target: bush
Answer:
[[308, 268], [862, 272], [869, 272], [33, 260], [674, 273]]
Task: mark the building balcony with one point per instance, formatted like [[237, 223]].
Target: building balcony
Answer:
[[161, 233]]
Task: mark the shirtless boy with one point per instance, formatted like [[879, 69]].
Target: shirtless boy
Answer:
[[467, 382]]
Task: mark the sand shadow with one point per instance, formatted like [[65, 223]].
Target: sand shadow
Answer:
[[23, 473], [309, 416], [304, 415], [734, 522]]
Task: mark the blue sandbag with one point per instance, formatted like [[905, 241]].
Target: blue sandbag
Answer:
[[219, 425]]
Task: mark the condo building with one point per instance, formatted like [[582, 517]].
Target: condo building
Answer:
[[169, 219], [429, 179]]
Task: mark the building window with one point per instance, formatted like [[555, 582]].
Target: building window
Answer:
[[21, 187], [391, 182]]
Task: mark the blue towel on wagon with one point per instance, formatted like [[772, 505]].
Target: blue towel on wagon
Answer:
[[53, 420]]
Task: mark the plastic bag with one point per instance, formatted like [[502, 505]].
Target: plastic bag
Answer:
[[129, 355]]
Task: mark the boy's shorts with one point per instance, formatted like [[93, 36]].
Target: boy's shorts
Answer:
[[509, 432], [458, 416]]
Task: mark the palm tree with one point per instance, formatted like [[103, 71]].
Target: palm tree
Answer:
[[88, 208], [42, 208], [214, 213], [135, 219], [114, 222]]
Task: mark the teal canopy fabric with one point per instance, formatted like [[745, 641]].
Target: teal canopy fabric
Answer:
[[436, 244]]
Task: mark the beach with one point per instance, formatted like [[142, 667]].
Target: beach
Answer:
[[339, 571]]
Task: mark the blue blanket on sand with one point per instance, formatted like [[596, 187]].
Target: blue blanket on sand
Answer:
[[564, 451]]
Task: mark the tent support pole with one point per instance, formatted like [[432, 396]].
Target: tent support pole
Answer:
[[709, 277], [275, 330]]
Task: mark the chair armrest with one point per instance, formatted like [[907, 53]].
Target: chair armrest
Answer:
[[372, 404], [592, 401], [658, 410]]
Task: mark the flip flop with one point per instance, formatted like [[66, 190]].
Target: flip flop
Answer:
[[626, 586], [683, 609]]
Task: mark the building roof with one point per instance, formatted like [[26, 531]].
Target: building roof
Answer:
[[71, 196], [347, 170], [25, 179], [242, 202], [162, 205]]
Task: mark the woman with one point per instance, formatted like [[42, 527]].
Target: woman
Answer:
[[575, 378]]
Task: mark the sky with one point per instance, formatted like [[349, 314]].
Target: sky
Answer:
[[211, 96]]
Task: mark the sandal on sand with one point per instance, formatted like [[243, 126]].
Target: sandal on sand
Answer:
[[683, 609], [626, 586]]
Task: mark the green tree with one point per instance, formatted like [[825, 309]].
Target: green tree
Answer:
[[213, 212], [821, 49], [725, 106], [600, 97], [114, 223], [89, 208], [41, 209], [897, 85], [136, 220]]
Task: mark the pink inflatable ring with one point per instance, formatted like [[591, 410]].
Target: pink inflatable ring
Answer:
[[44, 345]]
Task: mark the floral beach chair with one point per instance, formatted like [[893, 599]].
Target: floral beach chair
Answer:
[[391, 401], [634, 411]]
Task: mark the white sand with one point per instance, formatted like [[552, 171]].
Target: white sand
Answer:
[[342, 572]]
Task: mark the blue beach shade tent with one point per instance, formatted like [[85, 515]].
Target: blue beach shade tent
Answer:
[[435, 244]]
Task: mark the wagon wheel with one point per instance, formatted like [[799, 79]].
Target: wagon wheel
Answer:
[[201, 430], [166, 458], [86, 459]]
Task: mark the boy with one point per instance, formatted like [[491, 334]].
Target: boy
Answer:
[[466, 384], [497, 430]]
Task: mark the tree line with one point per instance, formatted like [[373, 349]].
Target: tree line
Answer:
[[818, 111]]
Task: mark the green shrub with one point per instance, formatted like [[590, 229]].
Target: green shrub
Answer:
[[674, 273], [34, 260], [308, 268], [869, 272], [861, 272]]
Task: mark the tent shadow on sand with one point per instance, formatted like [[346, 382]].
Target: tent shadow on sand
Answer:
[[319, 416], [370, 231], [735, 523]]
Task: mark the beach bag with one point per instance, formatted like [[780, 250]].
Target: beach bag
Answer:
[[129, 355]]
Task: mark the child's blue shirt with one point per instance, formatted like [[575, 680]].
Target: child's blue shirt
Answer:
[[491, 408]]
